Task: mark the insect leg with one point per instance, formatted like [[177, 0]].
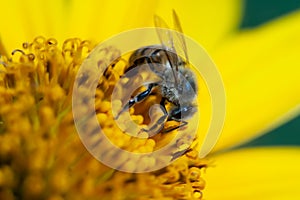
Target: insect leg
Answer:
[[138, 98], [180, 153], [179, 113], [160, 122], [182, 123]]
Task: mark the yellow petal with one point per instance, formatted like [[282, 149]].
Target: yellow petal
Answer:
[[24, 20], [261, 70], [208, 22], [90, 19], [98, 20], [260, 173]]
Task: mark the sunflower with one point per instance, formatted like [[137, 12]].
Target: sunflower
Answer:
[[41, 155]]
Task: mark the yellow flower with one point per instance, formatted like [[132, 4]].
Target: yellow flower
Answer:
[[42, 157]]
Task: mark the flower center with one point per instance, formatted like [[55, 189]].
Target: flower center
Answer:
[[42, 156]]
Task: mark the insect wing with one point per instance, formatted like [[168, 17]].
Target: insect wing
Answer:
[[166, 38], [164, 34], [178, 40]]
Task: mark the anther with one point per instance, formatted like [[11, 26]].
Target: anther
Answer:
[[197, 194], [71, 44], [85, 43], [3, 63], [31, 56], [39, 40], [17, 50], [194, 174], [52, 41], [25, 45]]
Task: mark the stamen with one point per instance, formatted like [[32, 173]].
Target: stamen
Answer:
[[39, 40], [25, 45], [52, 41], [197, 194], [38, 133], [17, 50], [38, 43], [194, 174], [31, 56], [3, 63]]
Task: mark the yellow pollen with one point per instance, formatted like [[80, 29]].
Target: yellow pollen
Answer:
[[41, 154]]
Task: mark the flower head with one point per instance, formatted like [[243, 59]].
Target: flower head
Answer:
[[41, 153]]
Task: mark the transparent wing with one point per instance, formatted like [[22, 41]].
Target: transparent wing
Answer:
[[179, 41], [166, 38], [164, 34]]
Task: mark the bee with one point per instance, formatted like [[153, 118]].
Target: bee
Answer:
[[176, 84]]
